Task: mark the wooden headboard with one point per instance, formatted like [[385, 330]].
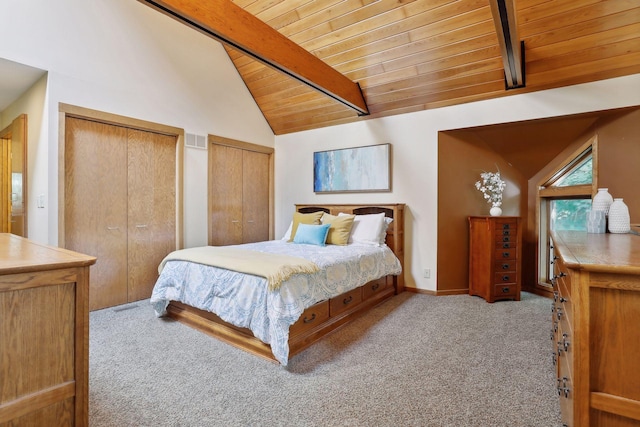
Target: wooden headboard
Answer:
[[395, 231]]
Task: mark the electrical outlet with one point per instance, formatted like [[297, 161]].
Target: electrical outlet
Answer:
[[427, 273]]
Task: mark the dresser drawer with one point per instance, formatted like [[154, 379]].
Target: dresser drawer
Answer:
[[505, 278], [374, 287], [505, 290], [310, 318], [505, 266], [506, 244], [345, 301], [504, 254]]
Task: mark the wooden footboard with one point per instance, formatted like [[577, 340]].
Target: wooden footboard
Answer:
[[315, 322]]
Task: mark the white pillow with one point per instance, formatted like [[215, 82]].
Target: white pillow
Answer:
[[367, 229], [287, 235], [383, 232]]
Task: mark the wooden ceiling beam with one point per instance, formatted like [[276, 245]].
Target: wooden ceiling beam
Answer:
[[511, 49], [230, 24]]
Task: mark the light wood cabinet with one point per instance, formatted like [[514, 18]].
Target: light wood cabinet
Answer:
[[44, 334], [595, 328], [120, 192], [495, 245], [240, 183]]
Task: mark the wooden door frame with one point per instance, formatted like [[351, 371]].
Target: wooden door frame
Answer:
[[228, 142], [66, 110], [19, 126]]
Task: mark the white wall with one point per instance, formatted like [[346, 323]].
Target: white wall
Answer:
[[122, 57], [414, 139]]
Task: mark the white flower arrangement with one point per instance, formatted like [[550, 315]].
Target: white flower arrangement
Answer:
[[491, 187]]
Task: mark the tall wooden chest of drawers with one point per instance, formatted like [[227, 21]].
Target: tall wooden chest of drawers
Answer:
[[495, 247], [595, 328]]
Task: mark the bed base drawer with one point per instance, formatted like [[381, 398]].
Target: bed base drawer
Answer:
[[310, 318]]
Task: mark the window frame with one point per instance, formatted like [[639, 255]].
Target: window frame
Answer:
[[547, 192]]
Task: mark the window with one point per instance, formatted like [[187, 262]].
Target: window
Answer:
[[565, 199]]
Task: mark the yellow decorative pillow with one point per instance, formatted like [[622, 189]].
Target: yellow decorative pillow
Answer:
[[300, 218], [340, 228]]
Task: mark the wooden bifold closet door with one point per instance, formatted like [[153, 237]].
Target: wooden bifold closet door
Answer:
[[239, 195], [119, 206]]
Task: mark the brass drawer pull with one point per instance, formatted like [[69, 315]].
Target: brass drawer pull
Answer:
[[309, 320]]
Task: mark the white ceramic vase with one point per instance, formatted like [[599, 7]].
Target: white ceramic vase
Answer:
[[495, 211], [619, 221], [602, 200]]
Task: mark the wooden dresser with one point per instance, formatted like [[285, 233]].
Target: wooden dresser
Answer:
[[495, 247], [596, 328], [44, 334]]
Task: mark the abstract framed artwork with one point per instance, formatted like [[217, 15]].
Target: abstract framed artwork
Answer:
[[358, 169]]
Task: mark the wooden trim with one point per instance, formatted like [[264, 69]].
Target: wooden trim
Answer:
[[566, 192], [232, 25], [41, 399], [615, 405], [220, 140], [548, 192], [66, 110], [558, 170]]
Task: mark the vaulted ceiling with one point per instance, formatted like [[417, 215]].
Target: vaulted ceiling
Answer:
[[412, 55]]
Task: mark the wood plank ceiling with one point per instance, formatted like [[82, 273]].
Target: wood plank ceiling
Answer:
[[412, 55]]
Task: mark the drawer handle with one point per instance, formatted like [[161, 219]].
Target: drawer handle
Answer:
[[309, 320], [563, 299], [141, 226], [505, 245], [235, 221], [505, 254], [565, 343], [505, 226], [505, 290], [505, 239], [506, 232], [347, 300], [113, 228], [505, 279], [505, 266], [375, 286]]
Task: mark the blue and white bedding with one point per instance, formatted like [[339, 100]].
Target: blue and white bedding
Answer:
[[244, 300]]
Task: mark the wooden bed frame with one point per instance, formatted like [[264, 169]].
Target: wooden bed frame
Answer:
[[322, 318]]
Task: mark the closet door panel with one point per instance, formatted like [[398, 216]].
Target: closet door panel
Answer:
[[255, 196], [95, 213], [151, 208], [225, 195]]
